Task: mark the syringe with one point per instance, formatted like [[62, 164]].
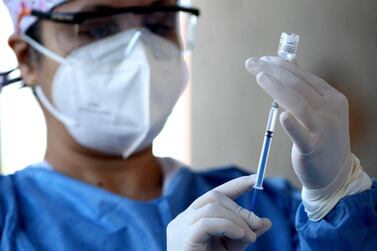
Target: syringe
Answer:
[[287, 49]]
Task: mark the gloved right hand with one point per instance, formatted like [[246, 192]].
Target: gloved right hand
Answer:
[[316, 119], [215, 222]]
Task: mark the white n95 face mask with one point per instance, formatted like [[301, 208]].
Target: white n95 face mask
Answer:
[[115, 95]]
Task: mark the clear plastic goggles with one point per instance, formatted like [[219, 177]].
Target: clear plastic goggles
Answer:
[[74, 30]]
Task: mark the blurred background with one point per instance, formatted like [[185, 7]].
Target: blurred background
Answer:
[[222, 116], [229, 111]]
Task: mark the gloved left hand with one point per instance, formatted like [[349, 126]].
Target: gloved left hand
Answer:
[[215, 222], [316, 120]]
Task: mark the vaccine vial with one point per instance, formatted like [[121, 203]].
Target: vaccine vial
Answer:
[[288, 45]]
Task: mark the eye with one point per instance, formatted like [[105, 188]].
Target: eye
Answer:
[[160, 28], [163, 24], [96, 32]]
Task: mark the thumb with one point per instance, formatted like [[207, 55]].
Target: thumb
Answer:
[[297, 133]]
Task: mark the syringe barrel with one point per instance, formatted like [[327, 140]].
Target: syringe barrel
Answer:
[[263, 159], [287, 50], [271, 122]]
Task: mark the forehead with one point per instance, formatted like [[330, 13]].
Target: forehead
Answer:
[[85, 5]]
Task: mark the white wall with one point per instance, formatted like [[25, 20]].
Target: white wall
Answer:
[[21, 122], [339, 43]]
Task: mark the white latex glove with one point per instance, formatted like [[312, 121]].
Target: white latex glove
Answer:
[[215, 222], [316, 120]]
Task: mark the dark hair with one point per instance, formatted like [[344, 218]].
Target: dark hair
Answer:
[[35, 33]]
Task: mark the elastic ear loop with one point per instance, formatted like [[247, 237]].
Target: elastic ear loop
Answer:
[[39, 93], [58, 115], [38, 90], [43, 49], [131, 45], [136, 143], [61, 117]]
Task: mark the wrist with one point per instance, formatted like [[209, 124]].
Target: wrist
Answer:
[[351, 180]]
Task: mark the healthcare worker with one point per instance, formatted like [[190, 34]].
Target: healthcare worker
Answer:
[[107, 74]]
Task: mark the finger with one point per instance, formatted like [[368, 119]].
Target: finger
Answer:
[[215, 197], [314, 81], [266, 226], [297, 133], [277, 60], [232, 189], [286, 78], [233, 245], [238, 245], [206, 228], [249, 217], [216, 211], [237, 187], [290, 100]]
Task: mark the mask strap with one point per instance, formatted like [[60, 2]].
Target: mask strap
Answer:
[[38, 90], [58, 115], [40, 48], [132, 42], [48, 53], [135, 145]]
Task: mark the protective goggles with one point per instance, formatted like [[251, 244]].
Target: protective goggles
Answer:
[[10, 77], [74, 30]]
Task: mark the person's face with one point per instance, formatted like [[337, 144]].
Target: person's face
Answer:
[[57, 37]]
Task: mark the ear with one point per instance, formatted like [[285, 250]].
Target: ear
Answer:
[[27, 59]]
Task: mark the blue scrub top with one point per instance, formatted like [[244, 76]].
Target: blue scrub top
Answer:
[[44, 210]]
